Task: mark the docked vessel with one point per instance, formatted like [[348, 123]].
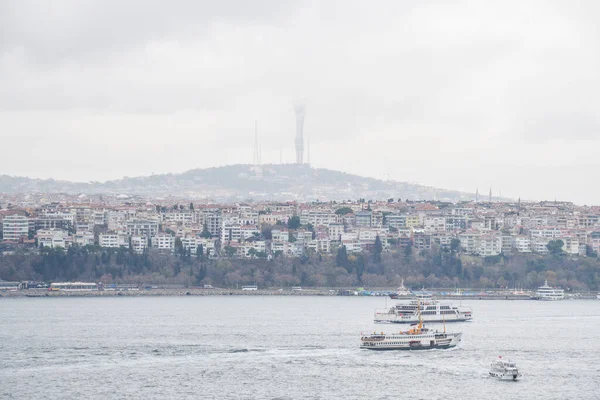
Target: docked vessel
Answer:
[[548, 293], [432, 311], [401, 292], [416, 338], [503, 369]]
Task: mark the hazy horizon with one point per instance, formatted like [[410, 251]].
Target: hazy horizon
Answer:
[[456, 96]]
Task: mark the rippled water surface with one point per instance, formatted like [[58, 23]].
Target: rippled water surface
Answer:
[[251, 347]]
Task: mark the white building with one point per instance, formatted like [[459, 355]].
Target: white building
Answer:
[[14, 227], [321, 244], [469, 241], [185, 217], [539, 243], [163, 241], [317, 217], [490, 245], [259, 246], [139, 244], [335, 232], [303, 236], [142, 227], [522, 244], [433, 223], [231, 232], [248, 231], [550, 232], [113, 239], [280, 235], [53, 238], [84, 238], [571, 244]]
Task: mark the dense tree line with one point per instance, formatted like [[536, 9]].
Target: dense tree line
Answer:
[[437, 267]]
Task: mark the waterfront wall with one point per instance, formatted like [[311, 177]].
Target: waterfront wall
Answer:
[[237, 292]]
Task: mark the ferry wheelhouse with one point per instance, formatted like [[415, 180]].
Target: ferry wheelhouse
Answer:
[[416, 338], [430, 310], [548, 293]]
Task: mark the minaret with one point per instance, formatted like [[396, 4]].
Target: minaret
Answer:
[[490, 198], [477, 195], [299, 134]]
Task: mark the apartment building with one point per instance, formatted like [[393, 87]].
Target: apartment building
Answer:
[[15, 227]]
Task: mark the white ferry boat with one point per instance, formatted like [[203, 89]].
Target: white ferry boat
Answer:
[[548, 293], [416, 338], [401, 292], [503, 369], [432, 311]]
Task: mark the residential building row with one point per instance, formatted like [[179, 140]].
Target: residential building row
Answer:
[[262, 229]]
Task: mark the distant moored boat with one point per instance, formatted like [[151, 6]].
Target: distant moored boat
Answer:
[[548, 293]]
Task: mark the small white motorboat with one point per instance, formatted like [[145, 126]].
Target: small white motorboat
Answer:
[[503, 369]]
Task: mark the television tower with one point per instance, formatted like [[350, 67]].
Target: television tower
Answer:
[[299, 134]]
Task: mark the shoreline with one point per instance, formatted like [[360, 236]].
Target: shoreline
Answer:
[[37, 293]]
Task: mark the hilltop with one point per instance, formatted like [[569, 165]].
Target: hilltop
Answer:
[[243, 182]]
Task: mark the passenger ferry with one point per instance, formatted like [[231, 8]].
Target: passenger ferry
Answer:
[[548, 293], [401, 292], [433, 311], [73, 286], [416, 338], [503, 369]]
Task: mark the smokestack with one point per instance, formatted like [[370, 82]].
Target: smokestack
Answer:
[[299, 134]]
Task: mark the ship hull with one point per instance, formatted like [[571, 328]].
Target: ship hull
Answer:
[[505, 377], [413, 320], [410, 348]]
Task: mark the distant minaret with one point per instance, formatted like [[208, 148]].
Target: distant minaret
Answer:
[[256, 159], [299, 134], [490, 198], [477, 195]]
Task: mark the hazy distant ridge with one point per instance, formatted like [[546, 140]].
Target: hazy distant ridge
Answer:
[[278, 181]]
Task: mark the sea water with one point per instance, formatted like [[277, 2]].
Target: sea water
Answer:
[[286, 347]]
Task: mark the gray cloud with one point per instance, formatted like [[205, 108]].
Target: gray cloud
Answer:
[[461, 95]]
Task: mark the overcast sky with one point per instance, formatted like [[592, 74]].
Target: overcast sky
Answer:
[[453, 94]]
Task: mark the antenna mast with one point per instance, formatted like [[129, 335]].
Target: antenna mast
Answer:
[[256, 151]]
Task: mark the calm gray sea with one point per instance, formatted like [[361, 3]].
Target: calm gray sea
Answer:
[[250, 347]]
